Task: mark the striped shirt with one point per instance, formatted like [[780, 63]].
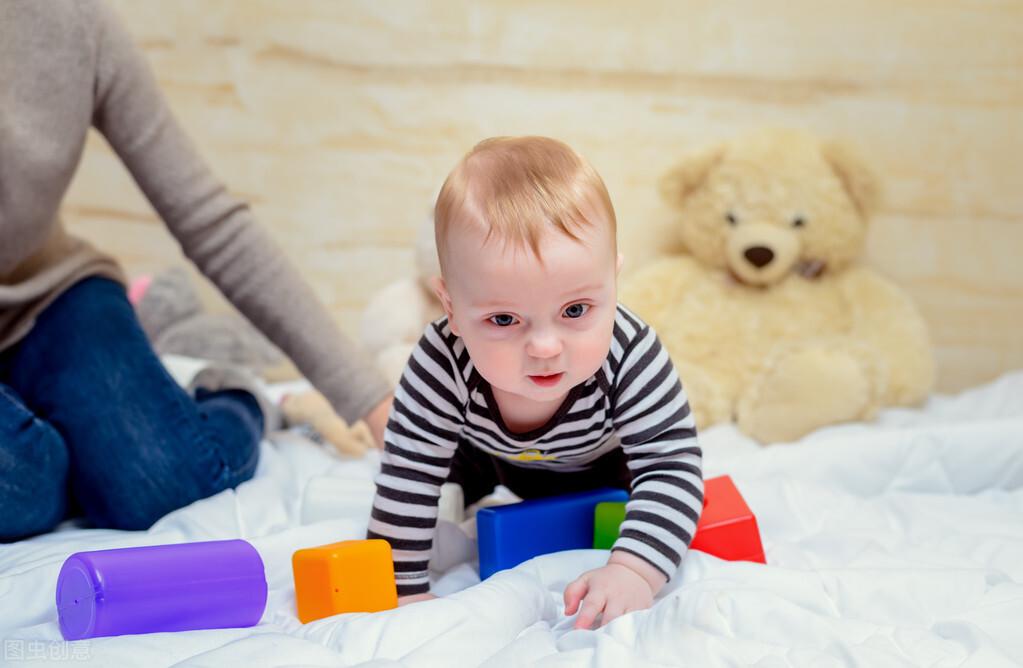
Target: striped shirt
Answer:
[[634, 401]]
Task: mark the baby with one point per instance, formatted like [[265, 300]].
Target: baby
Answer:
[[537, 379]]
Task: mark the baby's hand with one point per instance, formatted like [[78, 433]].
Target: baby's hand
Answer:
[[415, 598], [623, 585]]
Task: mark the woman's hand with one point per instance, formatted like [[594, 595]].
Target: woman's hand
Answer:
[[376, 420]]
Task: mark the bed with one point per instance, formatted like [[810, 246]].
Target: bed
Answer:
[[897, 542]]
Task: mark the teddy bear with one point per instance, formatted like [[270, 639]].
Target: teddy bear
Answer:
[[394, 318], [176, 323], [768, 316]]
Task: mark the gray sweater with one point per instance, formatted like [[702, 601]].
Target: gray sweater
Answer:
[[68, 65]]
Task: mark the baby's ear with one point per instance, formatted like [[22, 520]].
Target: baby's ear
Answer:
[[441, 290], [859, 181], [682, 180]]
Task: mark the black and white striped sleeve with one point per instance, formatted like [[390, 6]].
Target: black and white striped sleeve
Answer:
[[658, 435], [421, 436]]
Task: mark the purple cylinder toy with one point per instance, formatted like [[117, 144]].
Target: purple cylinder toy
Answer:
[[212, 585]]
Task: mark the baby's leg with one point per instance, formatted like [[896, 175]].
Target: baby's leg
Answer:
[[474, 470], [33, 471]]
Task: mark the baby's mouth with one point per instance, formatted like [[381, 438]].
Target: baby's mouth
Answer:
[[547, 381]]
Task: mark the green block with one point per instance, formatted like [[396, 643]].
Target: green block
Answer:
[[607, 518]]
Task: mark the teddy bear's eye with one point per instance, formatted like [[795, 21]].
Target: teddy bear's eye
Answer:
[[798, 221], [730, 217]]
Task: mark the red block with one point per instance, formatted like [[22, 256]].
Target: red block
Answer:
[[727, 528]]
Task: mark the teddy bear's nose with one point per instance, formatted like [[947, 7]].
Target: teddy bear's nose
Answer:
[[759, 256]]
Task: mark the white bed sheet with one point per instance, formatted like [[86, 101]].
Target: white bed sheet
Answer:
[[898, 542]]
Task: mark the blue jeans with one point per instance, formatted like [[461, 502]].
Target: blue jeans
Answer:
[[91, 421]]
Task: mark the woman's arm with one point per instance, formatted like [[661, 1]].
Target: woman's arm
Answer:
[[216, 230]]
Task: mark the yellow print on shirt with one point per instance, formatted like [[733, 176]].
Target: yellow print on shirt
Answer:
[[532, 455]]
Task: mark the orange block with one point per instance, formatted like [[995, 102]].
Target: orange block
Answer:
[[350, 576]]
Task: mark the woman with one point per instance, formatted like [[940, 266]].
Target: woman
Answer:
[[88, 416]]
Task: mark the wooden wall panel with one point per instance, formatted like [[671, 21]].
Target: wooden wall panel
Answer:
[[339, 120]]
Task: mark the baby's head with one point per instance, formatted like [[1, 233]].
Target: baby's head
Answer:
[[526, 238]]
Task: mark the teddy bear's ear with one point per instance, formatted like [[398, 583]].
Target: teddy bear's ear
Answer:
[[859, 181], [682, 180]]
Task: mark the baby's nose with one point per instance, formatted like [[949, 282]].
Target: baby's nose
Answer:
[[543, 347]]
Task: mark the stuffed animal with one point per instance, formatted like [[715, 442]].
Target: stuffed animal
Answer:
[[769, 319], [394, 317], [174, 320]]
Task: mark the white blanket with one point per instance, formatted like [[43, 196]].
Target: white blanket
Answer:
[[898, 542]]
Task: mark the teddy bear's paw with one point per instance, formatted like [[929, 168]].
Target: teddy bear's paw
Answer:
[[804, 390]]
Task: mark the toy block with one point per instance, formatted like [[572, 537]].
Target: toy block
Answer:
[[350, 576], [727, 528], [160, 588], [511, 534], [607, 518]]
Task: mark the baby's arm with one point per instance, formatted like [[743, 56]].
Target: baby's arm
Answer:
[[657, 431], [420, 440]]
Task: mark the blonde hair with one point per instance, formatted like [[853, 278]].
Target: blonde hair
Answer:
[[519, 188]]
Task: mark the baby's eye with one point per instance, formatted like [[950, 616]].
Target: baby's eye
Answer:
[[502, 319], [576, 310]]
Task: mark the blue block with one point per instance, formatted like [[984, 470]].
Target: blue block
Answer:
[[509, 535]]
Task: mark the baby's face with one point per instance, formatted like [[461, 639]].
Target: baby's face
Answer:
[[534, 329]]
